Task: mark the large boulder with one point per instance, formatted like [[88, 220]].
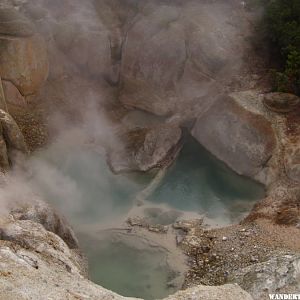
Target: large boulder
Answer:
[[24, 62], [177, 53], [142, 149], [279, 274], [239, 136]]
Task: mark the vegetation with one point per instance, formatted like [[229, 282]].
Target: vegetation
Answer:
[[283, 31]]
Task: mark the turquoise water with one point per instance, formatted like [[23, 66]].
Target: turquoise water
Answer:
[[79, 183], [198, 182]]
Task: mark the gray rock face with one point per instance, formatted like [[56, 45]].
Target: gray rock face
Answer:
[[242, 139], [145, 148], [12, 23], [280, 274], [176, 53]]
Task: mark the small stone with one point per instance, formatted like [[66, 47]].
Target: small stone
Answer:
[[224, 238]]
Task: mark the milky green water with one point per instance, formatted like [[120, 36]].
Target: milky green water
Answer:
[[198, 182], [130, 268], [79, 183]]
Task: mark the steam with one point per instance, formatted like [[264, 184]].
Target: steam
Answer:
[[86, 77]]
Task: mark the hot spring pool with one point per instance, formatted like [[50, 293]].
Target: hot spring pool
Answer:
[[79, 183], [198, 182], [130, 266]]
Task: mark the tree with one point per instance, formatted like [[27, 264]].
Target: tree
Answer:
[[283, 29]]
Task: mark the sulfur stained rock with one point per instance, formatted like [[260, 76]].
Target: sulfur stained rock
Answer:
[[24, 62]]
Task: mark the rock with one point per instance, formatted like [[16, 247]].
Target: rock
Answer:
[[35, 238], [13, 136], [34, 11], [3, 104], [244, 140], [204, 49], [281, 102], [12, 94], [156, 215], [24, 62], [187, 225], [137, 221], [278, 274], [227, 291], [145, 148], [292, 160], [4, 160], [224, 238], [157, 228], [192, 241], [12, 23], [40, 212]]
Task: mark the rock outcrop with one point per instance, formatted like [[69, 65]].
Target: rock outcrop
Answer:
[[242, 138], [145, 148], [280, 274]]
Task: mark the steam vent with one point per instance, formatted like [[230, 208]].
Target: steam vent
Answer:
[[149, 149]]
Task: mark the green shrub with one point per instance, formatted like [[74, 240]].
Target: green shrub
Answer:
[[283, 29]]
